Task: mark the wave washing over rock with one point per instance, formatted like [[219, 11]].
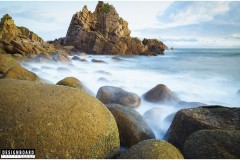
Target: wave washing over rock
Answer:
[[194, 86]]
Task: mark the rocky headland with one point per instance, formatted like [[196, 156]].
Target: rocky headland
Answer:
[[105, 32]]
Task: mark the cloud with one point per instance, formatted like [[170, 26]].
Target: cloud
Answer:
[[235, 36], [171, 39], [188, 13]]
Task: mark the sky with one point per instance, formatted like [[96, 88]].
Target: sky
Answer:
[[185, 24]]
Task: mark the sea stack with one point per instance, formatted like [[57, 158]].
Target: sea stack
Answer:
[[105, 32]]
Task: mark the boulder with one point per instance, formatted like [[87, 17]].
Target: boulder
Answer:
[[110, 94], [161, 94], [59, 57], [74, 83], [116, 58], [21, 73], [105, 32], [213, 144], [98, 61], [155, 46], [131, 125], [76, 58], [56, 121], [188, 121], [184, 104], [152, 149], [6, 63]]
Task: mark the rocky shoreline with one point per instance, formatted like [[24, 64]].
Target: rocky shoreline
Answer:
[[67, 120]]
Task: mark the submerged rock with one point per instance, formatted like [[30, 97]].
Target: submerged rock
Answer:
[[188, 121], [57, 121], [161, 94], [131, 125], [102, 79], [98, 61], [7, 62], [152, 149], [75, 83], [213, 144], [154, 118], [116, 58], [110, 94], [21, 73], [76, 58], [184, 104], [103, 72]]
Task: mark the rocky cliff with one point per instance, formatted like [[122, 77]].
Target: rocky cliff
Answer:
[[20, 40], [105, 32]]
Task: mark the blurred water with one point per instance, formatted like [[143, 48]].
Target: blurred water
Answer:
[[210, 76]]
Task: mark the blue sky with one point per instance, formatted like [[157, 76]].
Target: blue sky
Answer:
[[178, 24]]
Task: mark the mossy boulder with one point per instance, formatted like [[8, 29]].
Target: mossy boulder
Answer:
[[213, 144], [131, 125], [21, 73], [75, 83], [161, 94], [7, 62], [57, 121], [116, 95], [188, 121], [152, 149]]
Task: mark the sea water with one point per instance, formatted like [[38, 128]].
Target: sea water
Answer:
[[209, 76]]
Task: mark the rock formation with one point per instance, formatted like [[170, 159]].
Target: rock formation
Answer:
[[105, 32], [213, 144], [131, 125], [152, 149], [57, 121], [20, 40], [188, 121]]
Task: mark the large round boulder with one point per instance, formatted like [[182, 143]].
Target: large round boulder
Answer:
[[160, 94], [21, 73], [188, 121], [152, 149], [56, 121], [115, 95], [213, 144], [75, 83], [131, 125], [6, 63]]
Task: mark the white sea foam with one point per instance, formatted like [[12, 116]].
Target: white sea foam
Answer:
[[203, 78]]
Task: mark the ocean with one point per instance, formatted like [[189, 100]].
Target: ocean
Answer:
[[209, 76]]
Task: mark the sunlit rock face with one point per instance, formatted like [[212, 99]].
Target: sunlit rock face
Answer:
[[20, 40], [105, 32]]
